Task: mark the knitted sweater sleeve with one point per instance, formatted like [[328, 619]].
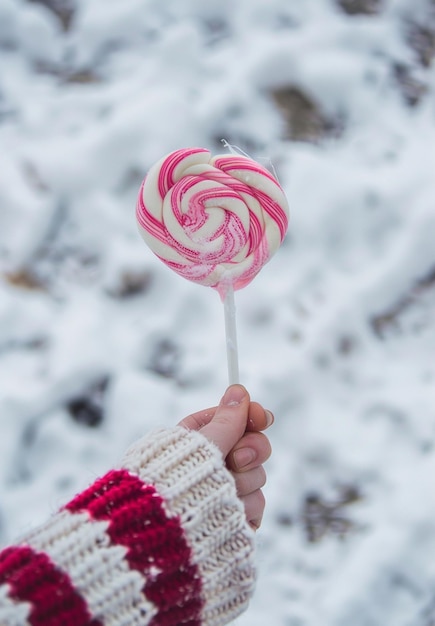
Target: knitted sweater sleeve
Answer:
[[162, 541]]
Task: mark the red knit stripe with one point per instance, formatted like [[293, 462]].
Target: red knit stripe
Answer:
[[156, 545], [33, 578]]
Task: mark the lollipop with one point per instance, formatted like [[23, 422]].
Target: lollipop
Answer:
[[213, 220]]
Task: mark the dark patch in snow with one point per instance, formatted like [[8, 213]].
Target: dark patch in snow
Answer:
[[322, 517], [361, 7], [88, 409], [304, 120]]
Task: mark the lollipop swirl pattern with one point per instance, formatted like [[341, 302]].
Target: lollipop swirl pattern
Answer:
[[214, 220]]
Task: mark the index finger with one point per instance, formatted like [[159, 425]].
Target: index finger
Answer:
[[197, 420], [258, 417]]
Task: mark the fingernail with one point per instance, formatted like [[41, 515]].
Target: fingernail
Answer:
[[243, 456], [234, 395], [269, 418]]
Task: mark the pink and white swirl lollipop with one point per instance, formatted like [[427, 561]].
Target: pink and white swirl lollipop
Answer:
[[213, 220]]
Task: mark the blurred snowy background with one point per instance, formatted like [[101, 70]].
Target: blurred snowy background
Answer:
[[99, 341]]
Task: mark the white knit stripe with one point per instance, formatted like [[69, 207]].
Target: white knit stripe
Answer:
[[98, 570], [189, 473], [12, 613], [218, 539]]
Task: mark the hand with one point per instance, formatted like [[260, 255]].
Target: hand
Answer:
[[234, 426]]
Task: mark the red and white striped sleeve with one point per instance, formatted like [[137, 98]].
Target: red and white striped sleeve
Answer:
[[162, 541]]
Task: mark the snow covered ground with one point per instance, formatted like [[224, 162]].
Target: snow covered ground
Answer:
[[100, 342]]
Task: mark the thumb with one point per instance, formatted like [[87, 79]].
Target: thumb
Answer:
[[229, 422]]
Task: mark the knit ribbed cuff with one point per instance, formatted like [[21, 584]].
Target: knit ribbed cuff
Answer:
[[188, 471]]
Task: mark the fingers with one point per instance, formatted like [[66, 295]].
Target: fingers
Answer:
[[251, 450], [248, 487], [245, 460], [254, 504], [250, 481]]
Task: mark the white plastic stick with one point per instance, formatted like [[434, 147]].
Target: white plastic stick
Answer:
[[231, 336]]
